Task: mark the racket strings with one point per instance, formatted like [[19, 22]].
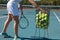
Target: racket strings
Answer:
[[23, 22]]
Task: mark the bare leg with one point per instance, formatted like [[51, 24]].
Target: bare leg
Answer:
[[16, 25], [7, 22]]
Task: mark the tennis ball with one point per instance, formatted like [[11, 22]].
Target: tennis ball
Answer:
[[39, 12], [45, 18], [42, 25], [38, 25], [37, 15], [36, 18], [45, 26], [42, 19], [42, 15], [45, 14]]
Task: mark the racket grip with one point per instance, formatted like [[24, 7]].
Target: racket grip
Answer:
[[21, 6]]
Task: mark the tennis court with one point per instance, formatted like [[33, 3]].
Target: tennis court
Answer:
[[53, 28]]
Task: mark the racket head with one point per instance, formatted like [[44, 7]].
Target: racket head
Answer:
[[23, 22]]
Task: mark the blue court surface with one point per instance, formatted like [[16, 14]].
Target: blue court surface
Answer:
[[29, 32]]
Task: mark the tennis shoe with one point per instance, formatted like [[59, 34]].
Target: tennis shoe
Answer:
[[16, 38], [5, 35]]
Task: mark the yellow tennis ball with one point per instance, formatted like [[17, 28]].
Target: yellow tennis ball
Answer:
[[38, 25], [45, 26], [39, 12], [41, 15], [45, 14], [45, 18], [42, 19], [37, 15], [36, 18]]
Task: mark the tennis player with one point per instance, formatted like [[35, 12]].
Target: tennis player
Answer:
[[13, 13]]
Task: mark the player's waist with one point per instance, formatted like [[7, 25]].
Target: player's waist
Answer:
[[12, 3]]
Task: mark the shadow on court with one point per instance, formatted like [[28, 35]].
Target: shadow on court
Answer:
[[24, 38]]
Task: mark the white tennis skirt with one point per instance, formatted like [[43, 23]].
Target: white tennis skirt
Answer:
[[12, 8]]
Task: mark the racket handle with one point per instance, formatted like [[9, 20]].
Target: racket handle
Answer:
[[21, 6]]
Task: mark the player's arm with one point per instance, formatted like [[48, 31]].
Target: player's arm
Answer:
[[35, 5]]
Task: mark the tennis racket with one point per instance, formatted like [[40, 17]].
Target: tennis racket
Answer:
[[23, 21]]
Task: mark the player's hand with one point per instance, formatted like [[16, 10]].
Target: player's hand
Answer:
[[42, 10]]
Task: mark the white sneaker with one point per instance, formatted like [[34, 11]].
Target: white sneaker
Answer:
[[3, 33], [16, 38]]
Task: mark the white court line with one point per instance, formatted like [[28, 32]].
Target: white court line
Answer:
[[3, 16], [57, 17]]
